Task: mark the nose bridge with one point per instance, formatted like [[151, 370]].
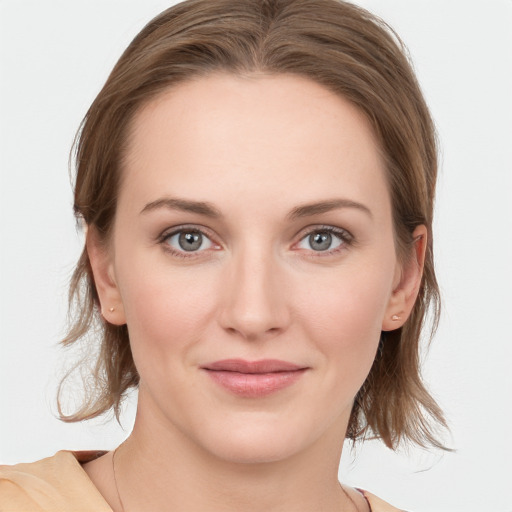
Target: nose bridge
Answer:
[[254, 303]]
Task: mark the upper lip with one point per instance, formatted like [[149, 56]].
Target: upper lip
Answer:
[[261, 366]]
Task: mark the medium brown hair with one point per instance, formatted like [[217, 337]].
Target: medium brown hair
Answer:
[[334, 43]]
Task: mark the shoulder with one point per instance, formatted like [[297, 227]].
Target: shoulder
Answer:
[[378, 505], [365, 500], [51, 484]]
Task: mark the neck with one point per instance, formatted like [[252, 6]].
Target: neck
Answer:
[[159, 468]]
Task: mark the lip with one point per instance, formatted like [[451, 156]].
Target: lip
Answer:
[[253, 379]]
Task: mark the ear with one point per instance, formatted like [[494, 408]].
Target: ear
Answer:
[[407, 283], [101, 259]]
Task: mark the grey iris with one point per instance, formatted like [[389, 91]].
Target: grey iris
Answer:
[[190, 241], [320, 241]]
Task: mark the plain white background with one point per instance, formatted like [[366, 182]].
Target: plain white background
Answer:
[[55, 56]]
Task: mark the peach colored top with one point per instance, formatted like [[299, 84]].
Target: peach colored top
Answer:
[[59, 484]]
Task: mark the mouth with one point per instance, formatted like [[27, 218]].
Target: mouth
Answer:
[[253, 379]]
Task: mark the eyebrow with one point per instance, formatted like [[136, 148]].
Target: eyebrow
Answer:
[[307, 210], [208, 210], [171, 203]]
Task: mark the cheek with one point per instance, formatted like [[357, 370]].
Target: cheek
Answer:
[[344, 318], [348, 304], [165, 310]]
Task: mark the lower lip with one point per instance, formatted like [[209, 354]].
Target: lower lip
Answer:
[[254, 385]]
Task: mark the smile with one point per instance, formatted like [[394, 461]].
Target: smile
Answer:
[[253, 379]]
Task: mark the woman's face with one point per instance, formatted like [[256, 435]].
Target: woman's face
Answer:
[[253, 261]]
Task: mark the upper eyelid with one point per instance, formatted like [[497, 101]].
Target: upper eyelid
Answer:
[[166, 233], [324, 227], [209, 233]]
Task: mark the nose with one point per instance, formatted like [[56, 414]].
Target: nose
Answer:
[[255, 303]]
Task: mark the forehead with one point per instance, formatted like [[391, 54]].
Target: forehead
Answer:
[[260, 135]]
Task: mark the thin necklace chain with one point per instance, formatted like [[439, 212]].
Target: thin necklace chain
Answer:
[[115, 479], [356, 508]]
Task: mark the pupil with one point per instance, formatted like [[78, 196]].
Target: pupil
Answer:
[[190, 241], [320, 241]]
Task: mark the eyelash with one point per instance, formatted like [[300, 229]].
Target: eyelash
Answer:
[[164, 237], [346, 240]]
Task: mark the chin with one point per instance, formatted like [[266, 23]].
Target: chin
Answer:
[[255, 440], [259, 449]]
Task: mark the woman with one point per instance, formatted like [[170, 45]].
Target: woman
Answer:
[[256, 179]]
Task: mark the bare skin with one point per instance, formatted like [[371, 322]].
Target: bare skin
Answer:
[[242, 492], [259, 285]]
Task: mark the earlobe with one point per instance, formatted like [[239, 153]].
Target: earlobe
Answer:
[[100, 257], [408, 283]]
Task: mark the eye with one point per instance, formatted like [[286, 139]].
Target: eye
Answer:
[[326, 239], [187, 240]]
